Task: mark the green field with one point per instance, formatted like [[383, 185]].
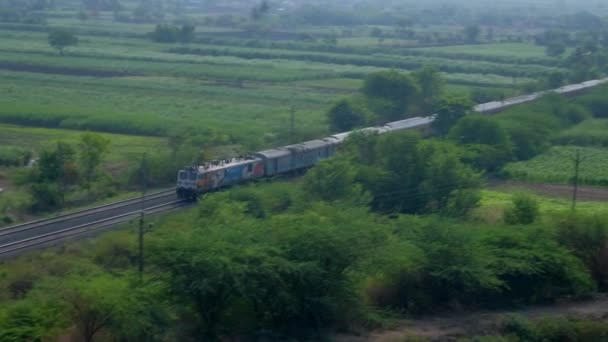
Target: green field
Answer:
[[588, 133], [515, 50], [557, 166], [493, 204], [122, 147], [116, 74]]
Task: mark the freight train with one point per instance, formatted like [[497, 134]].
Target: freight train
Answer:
[[195, 180]]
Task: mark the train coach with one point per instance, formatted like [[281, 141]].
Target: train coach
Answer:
[[195, 180]]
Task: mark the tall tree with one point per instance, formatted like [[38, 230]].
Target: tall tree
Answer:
[[67, 168], [344, 116], [92, 149], [431, 84], [61, 38], [451, 109], [396, 92], [471, 33], [54, 172], [555, 49]]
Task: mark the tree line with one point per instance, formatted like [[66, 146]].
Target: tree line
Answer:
[[283, 261]]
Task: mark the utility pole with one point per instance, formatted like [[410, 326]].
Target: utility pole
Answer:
[[144, 186], [577, 163]]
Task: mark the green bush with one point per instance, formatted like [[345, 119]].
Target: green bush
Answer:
[[523, 210], [587, 238], [592, 132], [554, 329], [14, 156]]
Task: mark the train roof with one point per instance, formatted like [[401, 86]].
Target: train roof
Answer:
[[409, 123], [309, 145], [225, 163], [579, 86], [273, 153], [340, 137]]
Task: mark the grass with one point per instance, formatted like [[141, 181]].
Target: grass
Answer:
[[557, 166], [493, 204], [122, 147], [515, 50]]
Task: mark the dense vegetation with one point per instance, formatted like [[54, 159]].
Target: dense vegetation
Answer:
[[274, 260], [396, 225]]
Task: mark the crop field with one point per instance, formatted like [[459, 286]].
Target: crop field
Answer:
[[592, 132], [493, 204], [515, 50], [122, 147], [557, 166], [117, 74]]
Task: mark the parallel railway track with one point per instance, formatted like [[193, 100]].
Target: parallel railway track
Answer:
[[31, 235]]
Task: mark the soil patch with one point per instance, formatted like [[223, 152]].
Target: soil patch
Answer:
[[55, 70], [585, 193], [451, 327]]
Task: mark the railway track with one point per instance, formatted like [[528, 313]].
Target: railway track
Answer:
[[35, 234]]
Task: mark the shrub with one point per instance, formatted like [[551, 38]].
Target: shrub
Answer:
[[344, 116], [597, 104], [587, 238], [14, 156], [524, 210]]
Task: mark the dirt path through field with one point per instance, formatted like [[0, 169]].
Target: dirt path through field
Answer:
[[585, 193], [450, 327]]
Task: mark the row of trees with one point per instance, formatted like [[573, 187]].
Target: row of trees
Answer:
[[398, 173], [166, 33], [67, 168], [388, 96], [272, 262]]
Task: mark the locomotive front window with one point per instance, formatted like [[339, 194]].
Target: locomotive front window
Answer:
[[193, 176], [182, 175]]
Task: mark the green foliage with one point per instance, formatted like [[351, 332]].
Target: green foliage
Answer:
[[431, 85], [593, 132], [166, 33], [333, 180], [14, 156], [345, 115], [487, 143], [55, 171], [457, 267], [534, 268], [524, 209], [92, 149], [405, 174], [399, 90], [30, 320], [597, 104], [532, 128], [291, 282], [451, 109], [471, 33], [557, 166], [555, 49], [517, 328], [61, 38], [587, 237]]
